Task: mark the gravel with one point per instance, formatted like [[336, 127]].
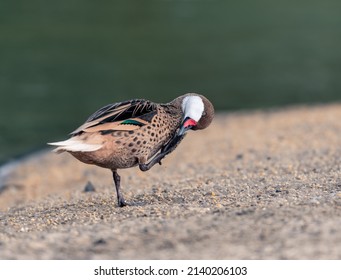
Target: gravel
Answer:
[[254, 185]]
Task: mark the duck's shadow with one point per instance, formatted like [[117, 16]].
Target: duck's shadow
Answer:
[[135, 204]]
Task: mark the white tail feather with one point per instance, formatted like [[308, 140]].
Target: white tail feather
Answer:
[[72, 145]]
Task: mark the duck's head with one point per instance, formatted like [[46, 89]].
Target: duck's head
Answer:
[[198, 112]]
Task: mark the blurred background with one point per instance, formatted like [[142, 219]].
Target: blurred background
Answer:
[[62, 60]]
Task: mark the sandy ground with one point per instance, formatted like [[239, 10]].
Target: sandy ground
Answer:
[[255, 185]]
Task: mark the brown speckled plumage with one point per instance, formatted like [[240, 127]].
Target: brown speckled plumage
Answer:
[[126, 134]]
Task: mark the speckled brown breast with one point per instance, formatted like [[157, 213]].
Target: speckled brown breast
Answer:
[[124, 149]]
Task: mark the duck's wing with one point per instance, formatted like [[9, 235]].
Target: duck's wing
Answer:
[[127, 115]]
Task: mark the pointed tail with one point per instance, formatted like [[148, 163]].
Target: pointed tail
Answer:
[[74, 145]]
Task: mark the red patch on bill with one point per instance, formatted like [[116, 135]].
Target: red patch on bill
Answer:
[[190, 122]]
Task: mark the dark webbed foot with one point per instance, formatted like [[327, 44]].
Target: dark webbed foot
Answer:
[[122, 203], [165, 150]]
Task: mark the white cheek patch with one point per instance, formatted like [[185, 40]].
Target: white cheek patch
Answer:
[[193, 107]]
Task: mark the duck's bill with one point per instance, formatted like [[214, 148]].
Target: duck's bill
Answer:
[[186, 125]]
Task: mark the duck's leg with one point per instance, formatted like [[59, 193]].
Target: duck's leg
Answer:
[[165, 150], [153, 161], [117, 181], [172, 144]]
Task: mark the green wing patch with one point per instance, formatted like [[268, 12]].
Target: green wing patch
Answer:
[[133, 122]]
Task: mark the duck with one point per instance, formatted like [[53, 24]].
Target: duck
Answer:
[[136, 132]]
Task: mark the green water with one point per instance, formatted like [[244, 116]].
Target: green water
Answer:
[[61, 60]]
